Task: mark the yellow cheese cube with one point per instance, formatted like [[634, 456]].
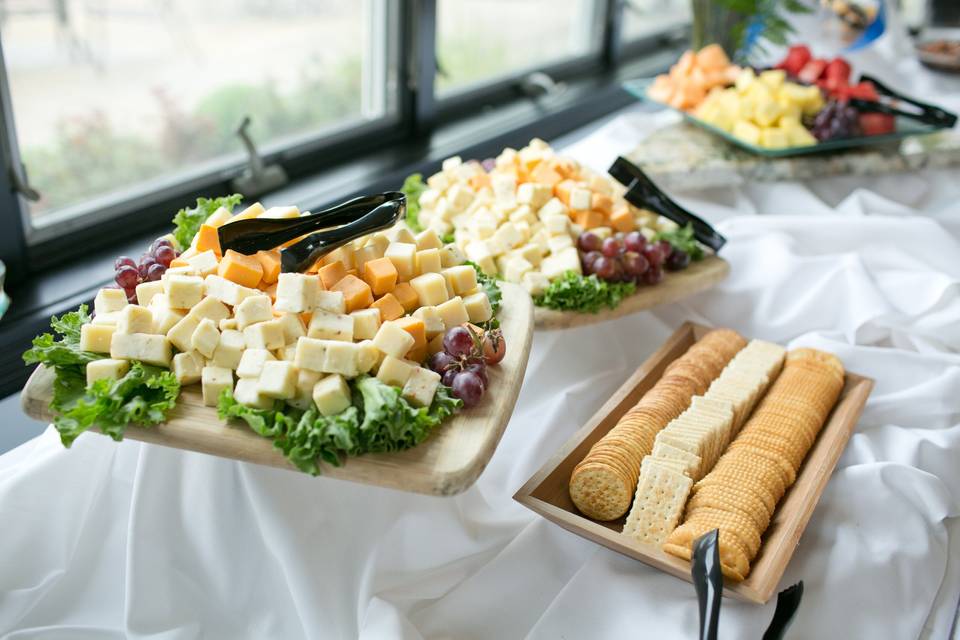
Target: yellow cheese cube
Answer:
[[460, 279], [251, 363], [403, 256], [432, 322], [431, 288], [393, 340], [247, 392], [106, 368], [213, 382], [278, 379], [96, 337], [229, 349], [395, 371], [149, 348], [331, 395], [478, 307], [264, 335], [421, 386], [428, 261], [428, 239], [747, 131], [453, 312], [187, 367], [366, 323]]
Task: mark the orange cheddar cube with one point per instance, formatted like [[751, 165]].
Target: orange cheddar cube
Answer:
[[270, 261], [381, 275], [406, 296], [562, 190], [417, 354], [390, 308], [544, 173], [480, 180], [356, 293], [601, 202], [208, 240], [243, 270], [590, 219], [269, 289], [416, 328], [622, 220], [565, 167], [353, 272], [331, 274]]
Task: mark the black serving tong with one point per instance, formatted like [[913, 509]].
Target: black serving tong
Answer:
[[925, 113], [335, 227], [708, 581], [788, 601], [642, 192]]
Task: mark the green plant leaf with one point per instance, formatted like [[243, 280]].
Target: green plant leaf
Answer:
[[683, 238], [585, 294], [187, 221], [413, 187]]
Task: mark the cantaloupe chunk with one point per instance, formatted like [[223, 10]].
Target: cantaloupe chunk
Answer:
[[390, 307], [331, 274], [208, 240], [406, 296], [270, 261], [243, 270], [381, 275], [356, 293], [622, 220]]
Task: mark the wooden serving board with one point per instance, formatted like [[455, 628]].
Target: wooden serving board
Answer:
[[547, 492], [676, 285], [447, 463]]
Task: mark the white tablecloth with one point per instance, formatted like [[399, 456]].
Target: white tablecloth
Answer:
[[140, 541]]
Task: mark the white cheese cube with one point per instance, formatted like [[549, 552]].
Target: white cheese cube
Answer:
[[428, 261], [205, 338], [146, 347], [451, 163], [436, 344], [366, 323], [106, 368], [341, 357], [287, 352], [344, 254], [251, 363], [429, 198], [553, 207], [253, 310], [106, 319], [368, 356], [431, 288], [459, 197], [186, 270], [460, 279], [507, 236], [253, 211], [331, 326], [303, 396], [247, 392], [393, 340], [529, 252], [438, 182], [559, 243], [226, 291], [187, 367], [164, 318], [218, 218], [580, 198], [264, 335], [229, 349], [204, 263], [365, 254], [535, 282], [180, 335], [331, 395], [146, 292], [183, 291], [421, 386], [506, 159], [277, 379], [533, 194], [515, 269], [451, 256], [403, 256], [293, 327], [395, 371], [331, 302], [109, 300], [280, 213], [310, 354], [210, 308], [453, 312], [432, 321], [297, 292], [523, 214], [478, 307], [504, 187], [227, 324], [400, 232], [601, 232], [557, 225], [213, 382], [541, 239], [600, 184], [96, 337], [428, 239], [555, 266]]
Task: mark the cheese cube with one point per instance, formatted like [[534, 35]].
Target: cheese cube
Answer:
[[287, 352], [529, 252], [395, 371], [438, 182], [428, 239], [277, 379], [310, 354], [556, 265], [341, 357], [535, 282], [600, 184], [523, 215], [205, 338], [356, 293], [507, 236], [451, 256], [107, 319], [146, 291], [183, 291], [389, 307], [331, 326], [557, 225], [553, 207], [365, 254], [431, 288], [393, 340], [403, 256], [453, 312], [204, 263], [368, 356], [281, 212], [106, 368], [331, 395], [227, 324], [432, 322], [400, 232], [164, 318], [253, 310], [109, 300], [435, 345], [478, 307], [504, 187], [149, 348], [229, 349], [451, 163], [428, 261], [210, 308], [421, 386], [559, 243], [265, 335], [303, 395], [180, 335], [247, 392], [580, 198], [297, 292], [187, 367], [366, 322], [331, 301], [226, 291], [533, 194], [515, 269], [406, 296], [460, 279], [292, 326], [381, 275], [213, 382], [96, 337], [251, 362]]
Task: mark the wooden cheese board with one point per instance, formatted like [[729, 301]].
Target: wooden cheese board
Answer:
[[547, 491], [699, 276], [446, 464]]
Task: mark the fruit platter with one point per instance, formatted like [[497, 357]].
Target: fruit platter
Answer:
[[801, 105], [387, 359], [584, 245]]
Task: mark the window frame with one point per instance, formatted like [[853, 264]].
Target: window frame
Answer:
[[419, 112]]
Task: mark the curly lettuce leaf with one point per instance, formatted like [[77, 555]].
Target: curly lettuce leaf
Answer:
[[683, 238], [584, 294], [413, 187], [65, 351], [187, 221]]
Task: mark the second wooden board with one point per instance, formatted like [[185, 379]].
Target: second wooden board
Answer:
[[447, 463], [677, 285]]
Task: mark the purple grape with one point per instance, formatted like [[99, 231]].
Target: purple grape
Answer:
[[448, 376], [634, 264], [160, 242], [635, 241], [124, 261], [589, 261], [132, 297], [653, 255], [588, 242], [678, 260], [458, 342], [164, 255], [610, 248], [653, 275], [441, 361], [145, 264], [469, 387], [155, 271], [127, 277], [604, 268], [480, 369], [665, 248], [489, 164]]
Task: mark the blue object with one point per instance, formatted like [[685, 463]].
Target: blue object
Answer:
[[873, 31]]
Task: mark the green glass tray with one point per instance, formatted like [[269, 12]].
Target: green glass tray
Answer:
[[905, 127]]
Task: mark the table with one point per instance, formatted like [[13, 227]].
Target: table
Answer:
[[124, 540]]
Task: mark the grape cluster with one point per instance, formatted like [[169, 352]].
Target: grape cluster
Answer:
[[629, 257], [464, 359], [151, 266], [838, 119]]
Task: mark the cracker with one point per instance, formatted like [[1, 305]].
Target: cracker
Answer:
[[658, 505], [599, 492]]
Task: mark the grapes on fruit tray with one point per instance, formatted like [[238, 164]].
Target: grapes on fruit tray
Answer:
[[588, 242], [653, 275], [458, 342], [634, 241], [124, 261], [611, 247], [678, 260], [468, 387], [480, 369], [127, 277], [164, 255], [449, 375], [653, 255], [441, 361], [155, 271]]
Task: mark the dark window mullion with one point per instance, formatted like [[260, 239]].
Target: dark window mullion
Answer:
[[419, 65], [612, 33], [13, 207]]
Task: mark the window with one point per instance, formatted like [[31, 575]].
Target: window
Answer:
[[482, 40], [114, 98], [646, 17]]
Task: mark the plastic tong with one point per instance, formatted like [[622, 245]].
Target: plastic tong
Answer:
[[335, 227], [642, 192], [926, 113]]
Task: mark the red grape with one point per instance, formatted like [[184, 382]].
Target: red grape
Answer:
[[665, 248], [634, 264], [604, 268], [124, 261], [589, 242], [132, 297], [449, 375], [480, 369], [145, 264], [678, 260], [458, 342], [653, 275], [468, 386], [610, 247], [160, 242], [441, 361], [164, 255], [635, 241], [653, 255], [590, 260], [155, 271], [494, 347], [127, 277], [617, 269]]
